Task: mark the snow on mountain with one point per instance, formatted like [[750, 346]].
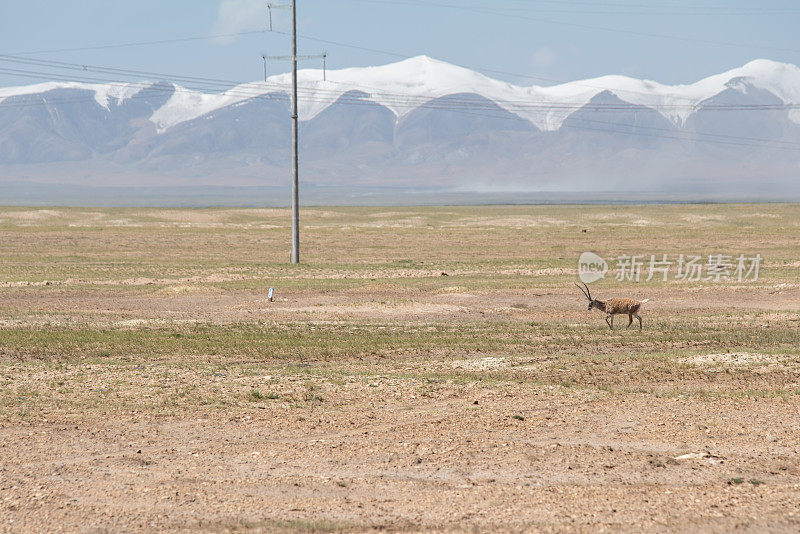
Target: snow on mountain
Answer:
[[103, 93], [412, 123], [408, 84], [187, 104], [404, 86], [678, 102]]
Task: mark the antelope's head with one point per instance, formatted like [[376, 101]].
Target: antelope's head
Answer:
[[588, 294]]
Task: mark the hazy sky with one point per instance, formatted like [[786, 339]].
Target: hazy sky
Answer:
[[554, 39]]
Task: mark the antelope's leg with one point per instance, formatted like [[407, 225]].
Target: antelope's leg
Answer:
[[610, 321], [640, 320], [630, 321]]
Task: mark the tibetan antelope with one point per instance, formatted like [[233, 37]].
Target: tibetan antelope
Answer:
[[614, 307]]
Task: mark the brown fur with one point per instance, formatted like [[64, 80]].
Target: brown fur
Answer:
[[612, 307], [619, 306]]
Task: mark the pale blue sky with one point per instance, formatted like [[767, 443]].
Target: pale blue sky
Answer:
[[504, 35]]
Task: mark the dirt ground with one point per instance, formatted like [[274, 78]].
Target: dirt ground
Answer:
[[384, 458], [445, 381]]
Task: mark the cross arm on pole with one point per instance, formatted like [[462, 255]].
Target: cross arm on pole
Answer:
[[299, 58], [323, 57]]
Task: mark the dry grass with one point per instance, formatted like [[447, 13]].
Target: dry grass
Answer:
[[374, 374]]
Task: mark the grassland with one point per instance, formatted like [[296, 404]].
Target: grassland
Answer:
[[424, 369]]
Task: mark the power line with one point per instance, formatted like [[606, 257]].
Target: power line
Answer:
[[477, 69], [318, 95], [377, 50], [693, 5], [600, 8], [252, 89], [62, 65], [140, 43], [481, 10], [569, 123], [256, 90], [388, 98], [494, 12]]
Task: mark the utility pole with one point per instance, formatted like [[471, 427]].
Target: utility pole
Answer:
[[295, 124], [264, 57], [295, 145]]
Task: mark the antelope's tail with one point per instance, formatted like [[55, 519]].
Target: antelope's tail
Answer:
[[645, 301]]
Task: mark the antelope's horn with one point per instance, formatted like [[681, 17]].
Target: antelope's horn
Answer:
[[584, 292], [589, 293]]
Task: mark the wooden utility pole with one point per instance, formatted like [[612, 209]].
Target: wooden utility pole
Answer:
[[295, 123], [295, 145]]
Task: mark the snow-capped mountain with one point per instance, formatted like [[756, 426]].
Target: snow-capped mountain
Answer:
[[401, 87], [408, 123]]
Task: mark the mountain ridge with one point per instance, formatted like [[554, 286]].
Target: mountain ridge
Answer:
[[412, 124], [401, 86]]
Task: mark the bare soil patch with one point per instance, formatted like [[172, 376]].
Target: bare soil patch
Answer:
[[425, 370], [379, 455]]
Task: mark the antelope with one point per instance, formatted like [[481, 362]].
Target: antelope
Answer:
[[614, 307]]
